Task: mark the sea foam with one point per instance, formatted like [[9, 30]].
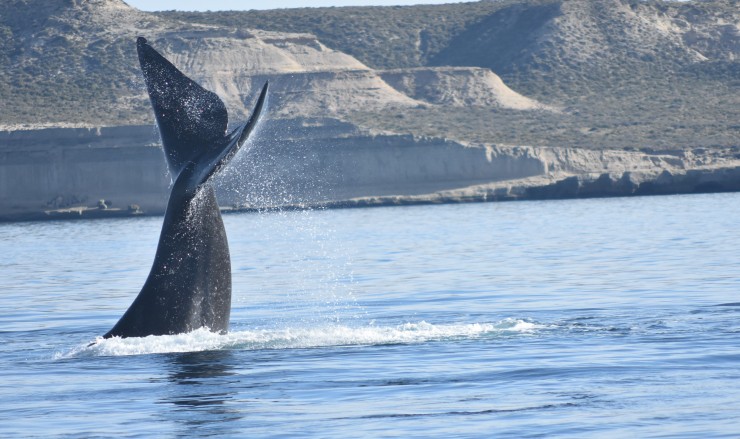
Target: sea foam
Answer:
[[299, 338]]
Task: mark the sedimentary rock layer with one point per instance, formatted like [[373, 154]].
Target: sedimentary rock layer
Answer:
[[326, 162]]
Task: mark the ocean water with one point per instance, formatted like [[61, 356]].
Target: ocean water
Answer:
[[581, 318]]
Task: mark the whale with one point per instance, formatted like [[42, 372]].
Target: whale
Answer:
[[189, 285]]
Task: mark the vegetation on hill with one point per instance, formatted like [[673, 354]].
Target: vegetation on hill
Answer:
[[626, 73], [58, 66], [383, 37], [565, 42]]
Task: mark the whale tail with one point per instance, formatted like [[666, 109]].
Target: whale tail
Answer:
[[192, 120], [189, 285]]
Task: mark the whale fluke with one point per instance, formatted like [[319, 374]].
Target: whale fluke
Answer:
[[189, 285]]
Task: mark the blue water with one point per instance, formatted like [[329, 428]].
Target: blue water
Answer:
[[585, 318]]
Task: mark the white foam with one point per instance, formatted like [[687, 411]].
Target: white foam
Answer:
[[300, 338]]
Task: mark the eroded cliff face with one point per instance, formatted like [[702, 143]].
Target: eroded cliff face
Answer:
[[325, 162], [459, 87], [57, 168], [308, 78]]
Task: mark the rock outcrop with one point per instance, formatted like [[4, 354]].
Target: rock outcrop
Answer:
[[459, 87]]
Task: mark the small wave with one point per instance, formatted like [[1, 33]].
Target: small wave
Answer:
[[470, 413], [298, 338]]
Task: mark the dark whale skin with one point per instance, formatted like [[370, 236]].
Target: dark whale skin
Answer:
[[189, 285]]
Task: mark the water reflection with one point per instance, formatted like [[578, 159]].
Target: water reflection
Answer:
[[204, 385]]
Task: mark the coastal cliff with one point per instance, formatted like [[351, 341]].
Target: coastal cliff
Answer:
[[333, 164], [512, 99]]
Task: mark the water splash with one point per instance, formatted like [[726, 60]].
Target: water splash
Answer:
[[280, 167], [300, 338]]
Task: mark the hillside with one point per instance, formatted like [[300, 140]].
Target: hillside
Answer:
[[590, 39], [629, 73], [74, 63], [594, 74], [382, 37]]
